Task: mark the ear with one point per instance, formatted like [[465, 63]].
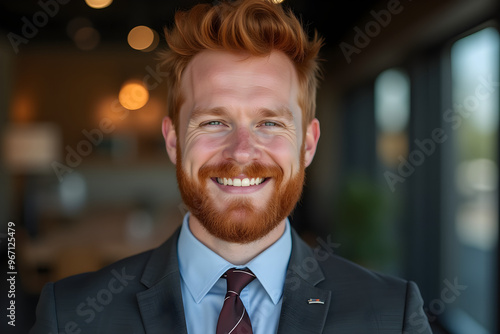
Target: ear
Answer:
[[311, 141], [170, 137]]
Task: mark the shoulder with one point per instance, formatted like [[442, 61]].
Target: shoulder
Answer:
[[354, 285], [107, 298], [378, 301], [103, 293], [80, 302], [358, 295]]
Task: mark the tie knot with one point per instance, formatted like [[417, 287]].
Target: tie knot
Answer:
[[237, 279]]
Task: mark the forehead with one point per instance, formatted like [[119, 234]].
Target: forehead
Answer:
[[222, 77], [274, 67]]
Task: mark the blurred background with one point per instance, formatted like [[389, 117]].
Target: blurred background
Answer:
[[405, 179]]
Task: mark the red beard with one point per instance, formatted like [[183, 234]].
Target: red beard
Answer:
[[240, 221]]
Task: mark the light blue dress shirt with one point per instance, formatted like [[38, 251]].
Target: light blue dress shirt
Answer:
[[203, 289]]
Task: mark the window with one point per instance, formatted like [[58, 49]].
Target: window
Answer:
[[470, 234], [392, 114]]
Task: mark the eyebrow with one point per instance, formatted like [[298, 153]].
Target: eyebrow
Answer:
[[217, 111], [280, 112], [222, 111]]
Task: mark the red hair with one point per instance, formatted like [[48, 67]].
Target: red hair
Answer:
[[255, 26]]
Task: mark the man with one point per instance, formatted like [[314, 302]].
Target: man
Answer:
[[241, 131]]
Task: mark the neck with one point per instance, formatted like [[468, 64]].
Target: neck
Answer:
[[235, 253]]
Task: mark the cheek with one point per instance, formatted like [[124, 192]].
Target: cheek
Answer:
[[199, 151], [285, 153]]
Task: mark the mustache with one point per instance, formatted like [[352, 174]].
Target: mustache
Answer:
[[231, 169]]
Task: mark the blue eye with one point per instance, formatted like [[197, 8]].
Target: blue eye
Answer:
[[270, 124], [212, 123]]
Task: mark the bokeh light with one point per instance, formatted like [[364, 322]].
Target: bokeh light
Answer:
[[98, 4], [133, 95], [392, 101], [23, 109], [143, 38]]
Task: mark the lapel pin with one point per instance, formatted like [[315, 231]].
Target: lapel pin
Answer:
[[315, 301]]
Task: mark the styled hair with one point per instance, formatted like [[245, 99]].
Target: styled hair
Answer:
[[257, 27]]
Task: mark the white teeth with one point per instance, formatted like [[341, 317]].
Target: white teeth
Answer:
[[246, 182]]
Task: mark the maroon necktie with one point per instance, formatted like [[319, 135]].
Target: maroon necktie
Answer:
[[233, 318]]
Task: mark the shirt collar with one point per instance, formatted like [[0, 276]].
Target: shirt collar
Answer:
[[200, 267], [270, 266]]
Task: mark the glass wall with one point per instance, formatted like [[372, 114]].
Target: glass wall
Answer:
[[470, 238]]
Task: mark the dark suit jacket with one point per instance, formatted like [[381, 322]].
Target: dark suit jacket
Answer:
[[142, 294]]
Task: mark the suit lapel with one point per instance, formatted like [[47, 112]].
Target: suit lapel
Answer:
[[161, 306], [303, 274], [162, 310]]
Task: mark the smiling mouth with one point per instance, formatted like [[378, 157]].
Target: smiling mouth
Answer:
[[235, 182]]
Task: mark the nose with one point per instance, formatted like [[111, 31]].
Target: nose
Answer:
[[242, 147]]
